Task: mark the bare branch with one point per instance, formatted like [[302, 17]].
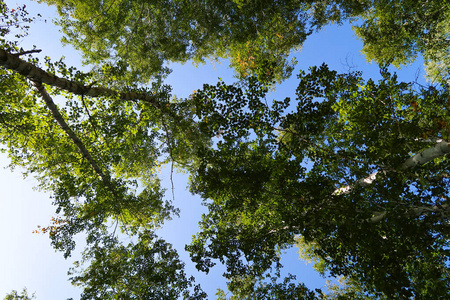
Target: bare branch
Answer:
[[27, 52]]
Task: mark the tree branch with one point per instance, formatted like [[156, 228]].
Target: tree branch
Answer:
[[414, 212], [65, 127], [441, 148], [36, 74], [27, 52]]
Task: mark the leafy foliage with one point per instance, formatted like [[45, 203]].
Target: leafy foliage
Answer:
[[120, 136], [14, 22], [98, 156], [267, 173], [15, 296], [248, 288], [139, 36], [146, 269], [397, 31], [256, 36], [274, 171]]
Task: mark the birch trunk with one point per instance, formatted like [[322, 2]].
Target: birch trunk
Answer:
[[440, 149], [14, 63]]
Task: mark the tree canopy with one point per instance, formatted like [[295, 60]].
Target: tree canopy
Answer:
[[256, 36], [140, 36], [352, 171], [276, 173], [97, 154], [398, 31]]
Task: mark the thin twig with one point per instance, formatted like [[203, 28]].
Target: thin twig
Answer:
[[89, 116], [171, 156], [115, 228], [27, 52]]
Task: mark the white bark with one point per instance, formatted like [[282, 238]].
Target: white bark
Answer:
[[414, 212], [439, 149], [427, 155], [15, 63], [361, 182]]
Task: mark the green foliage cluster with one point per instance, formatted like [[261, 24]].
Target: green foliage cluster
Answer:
[[22, 296], [257, 37], [398, 31], [140, 36], [146, 269], [120, 136], [99, 158], [248, 288]]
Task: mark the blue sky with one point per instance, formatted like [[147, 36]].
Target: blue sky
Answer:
[[27, 260]]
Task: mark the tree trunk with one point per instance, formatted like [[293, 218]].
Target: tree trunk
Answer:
[[440, 149]]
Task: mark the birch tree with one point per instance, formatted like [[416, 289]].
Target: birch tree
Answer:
[[97, 150]]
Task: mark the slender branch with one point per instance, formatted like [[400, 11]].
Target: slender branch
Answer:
[[440, 149], [115, 227], [414, 212], [171, 156], [89, 116], [65, 127], [27, 52], [360, 182], [378, 217]]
